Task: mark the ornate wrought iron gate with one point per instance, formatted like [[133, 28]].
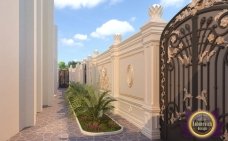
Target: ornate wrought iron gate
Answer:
[[194, 66], [63, 78]]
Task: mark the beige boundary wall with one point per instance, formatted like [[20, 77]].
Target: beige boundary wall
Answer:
[[76, 74], [130, 70], [28, 62]]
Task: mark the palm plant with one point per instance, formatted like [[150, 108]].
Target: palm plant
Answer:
[[97, 103], [90, 106], [71, 90], [75, 93], [75, 89]]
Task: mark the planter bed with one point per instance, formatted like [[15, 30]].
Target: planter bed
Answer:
[[108, 126]]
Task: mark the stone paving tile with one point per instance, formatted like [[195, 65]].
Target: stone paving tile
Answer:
[[54, 124]]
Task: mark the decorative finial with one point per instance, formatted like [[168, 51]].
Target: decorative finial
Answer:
[[95, 53], [84, 61], [77, 65], [89, 57], [155, 12], [117, 39]]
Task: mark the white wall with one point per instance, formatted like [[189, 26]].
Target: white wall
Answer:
[[39, 59], [9, 68], [48, 52], [27, 64], [55, 58], [45, 52], [51, 52], [24, 51], [76, 74]]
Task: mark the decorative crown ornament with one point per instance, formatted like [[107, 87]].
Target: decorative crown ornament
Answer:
[[155, 12], [117, 39], [95, 53]]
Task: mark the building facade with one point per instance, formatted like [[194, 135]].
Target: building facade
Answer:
[[28, 61]]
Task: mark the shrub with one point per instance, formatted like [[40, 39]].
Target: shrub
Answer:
[[97, 103], [86, 100], [75, 94]]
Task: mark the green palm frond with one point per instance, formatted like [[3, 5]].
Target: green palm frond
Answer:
[[87, 99]]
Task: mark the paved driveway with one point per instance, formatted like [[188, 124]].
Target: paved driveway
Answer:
[[54, 124]]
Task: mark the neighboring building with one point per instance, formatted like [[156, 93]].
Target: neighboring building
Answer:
[[28, 62]]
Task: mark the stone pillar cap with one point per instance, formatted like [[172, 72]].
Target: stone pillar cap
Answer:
[[95, 53], [117, 39], [155, 13]]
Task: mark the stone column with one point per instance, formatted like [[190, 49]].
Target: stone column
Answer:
[[48, 52], [28, 63], [115, 67], [51, 53], [45, 51], [55, 59], [79, 73], [76, 73], [70, 73], [82, 72], [151, 33], [9, 72], [94, 68], [88, 70], [39, 55]]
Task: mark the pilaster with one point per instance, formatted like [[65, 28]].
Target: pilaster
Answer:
[[48, 52], [151, 33], [9, 72], [39, 55], [28, 46], [115, 67]]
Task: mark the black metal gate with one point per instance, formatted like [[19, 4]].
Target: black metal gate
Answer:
[[63, 78], [194, 66]]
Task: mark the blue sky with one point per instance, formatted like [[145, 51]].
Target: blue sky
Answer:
[[88, 25]]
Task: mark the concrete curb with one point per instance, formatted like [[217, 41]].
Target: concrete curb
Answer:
[[92, 133]]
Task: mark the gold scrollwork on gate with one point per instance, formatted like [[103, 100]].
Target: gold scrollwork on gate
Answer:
[[194, 7], [225, 135], [163, 80], [222, 18], [203, 97]]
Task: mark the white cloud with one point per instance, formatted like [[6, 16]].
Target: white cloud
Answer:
[[81, 37], [68, 42], [113, 2], [76, 40], [71, 42], [77, 4], [176, 3], [112, 27]]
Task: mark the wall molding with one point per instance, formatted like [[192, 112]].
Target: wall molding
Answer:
[[131, 53], [131, 96]]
